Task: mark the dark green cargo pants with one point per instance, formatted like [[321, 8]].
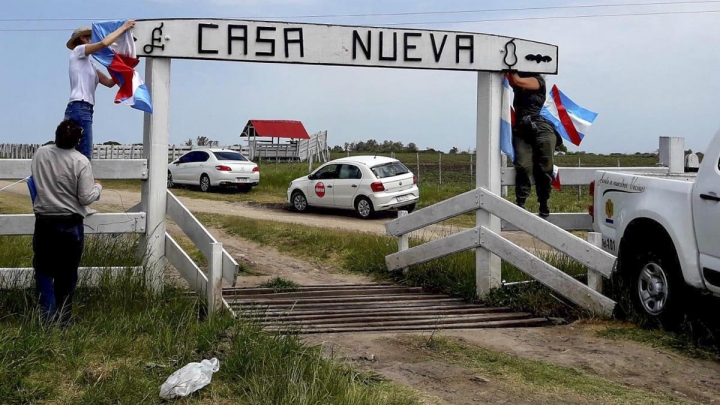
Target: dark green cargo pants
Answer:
[[533, 157]]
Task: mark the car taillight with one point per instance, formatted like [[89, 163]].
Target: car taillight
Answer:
[[414, 179], [592, 188], [591, 211], [223, 168], [256, 169], [377, 186]]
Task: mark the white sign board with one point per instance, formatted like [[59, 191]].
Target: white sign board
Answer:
[[316, 44]]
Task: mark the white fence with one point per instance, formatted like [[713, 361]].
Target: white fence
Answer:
[[315, 148], [553, 231], [103, 152]]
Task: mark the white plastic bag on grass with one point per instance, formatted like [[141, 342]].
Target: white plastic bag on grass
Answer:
[[189, 379]]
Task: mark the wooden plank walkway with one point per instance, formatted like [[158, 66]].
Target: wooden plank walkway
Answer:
[[367, 308]]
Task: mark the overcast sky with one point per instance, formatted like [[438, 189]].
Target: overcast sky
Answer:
[[646, 76]]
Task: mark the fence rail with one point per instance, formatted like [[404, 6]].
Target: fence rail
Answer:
[[104, 152]]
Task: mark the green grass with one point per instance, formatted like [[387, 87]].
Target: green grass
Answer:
[[543, 381], [279, 284], [126, 340]]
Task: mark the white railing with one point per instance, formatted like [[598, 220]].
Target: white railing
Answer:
[[220, 264], [552, 231], [106, 152], [14, 169], [481, 199]]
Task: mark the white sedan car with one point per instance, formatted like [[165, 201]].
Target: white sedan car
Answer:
[[364, 183], [209, 168]]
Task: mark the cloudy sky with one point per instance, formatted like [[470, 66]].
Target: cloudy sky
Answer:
[[646, 75]]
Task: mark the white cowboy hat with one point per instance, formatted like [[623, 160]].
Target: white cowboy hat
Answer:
[[77, 34]]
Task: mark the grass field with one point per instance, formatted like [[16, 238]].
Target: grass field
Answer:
[[126, 340], [456, 179]]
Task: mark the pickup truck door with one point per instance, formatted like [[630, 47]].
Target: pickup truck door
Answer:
[[706, 209]]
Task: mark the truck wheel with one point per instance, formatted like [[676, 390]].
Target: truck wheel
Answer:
[[654, 282]]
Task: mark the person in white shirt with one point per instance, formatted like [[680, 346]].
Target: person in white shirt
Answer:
[[84, 78]]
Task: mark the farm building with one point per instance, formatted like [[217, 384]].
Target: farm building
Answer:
[[283, 140]]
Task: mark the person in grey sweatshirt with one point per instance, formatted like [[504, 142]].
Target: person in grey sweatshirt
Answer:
[[65, 186]]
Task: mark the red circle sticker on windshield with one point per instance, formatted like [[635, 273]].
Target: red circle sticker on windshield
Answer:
[[320, 190]]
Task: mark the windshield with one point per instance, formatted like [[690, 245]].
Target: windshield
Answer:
[[390, 170], [230, 156]]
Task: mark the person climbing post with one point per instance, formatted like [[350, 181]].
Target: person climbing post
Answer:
[[84, 78], [533, 140]]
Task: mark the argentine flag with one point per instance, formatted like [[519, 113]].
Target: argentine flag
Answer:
[[570, 120], [120, 59]]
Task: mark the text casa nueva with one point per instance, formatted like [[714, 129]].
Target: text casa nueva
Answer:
[[375, 44]]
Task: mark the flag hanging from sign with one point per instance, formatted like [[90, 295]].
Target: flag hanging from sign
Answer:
[[507, 118], [120, 59], [570, 120]]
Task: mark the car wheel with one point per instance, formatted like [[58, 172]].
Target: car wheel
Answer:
[[653, 281], [204, 183], [299, 202], [409, 208], [364, 208], [170, 182]]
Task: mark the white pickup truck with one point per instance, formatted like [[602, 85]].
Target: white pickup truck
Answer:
[[665, 232]]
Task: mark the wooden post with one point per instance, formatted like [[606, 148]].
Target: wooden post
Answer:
[[595, 279], [156, 131], [579, 186], [403, 240], [417, 159], [489, 102], [440, 167], [214, 292]]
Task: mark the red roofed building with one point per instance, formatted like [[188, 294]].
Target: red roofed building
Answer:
[[267, 148], [293, 141], [275, 129]]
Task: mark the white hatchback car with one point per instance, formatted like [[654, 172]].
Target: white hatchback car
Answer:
[[364, 183], [209, 168]]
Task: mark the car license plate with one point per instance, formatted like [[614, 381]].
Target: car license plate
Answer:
[[403, 198], [242, 179]]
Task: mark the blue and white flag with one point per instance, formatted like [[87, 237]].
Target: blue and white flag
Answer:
[[120, 59], [569, 119]]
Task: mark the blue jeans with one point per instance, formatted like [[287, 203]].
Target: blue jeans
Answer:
[[82, 112], [58, 244]]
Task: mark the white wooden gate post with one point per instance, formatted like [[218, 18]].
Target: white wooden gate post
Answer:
[[155, 150], [214, 286], [489, 87]]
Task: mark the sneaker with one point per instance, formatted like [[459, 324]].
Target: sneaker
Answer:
[[520, 204], [90, 211]]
